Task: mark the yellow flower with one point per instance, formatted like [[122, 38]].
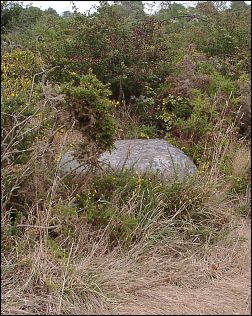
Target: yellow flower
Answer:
[[57, 158], [143, 135]]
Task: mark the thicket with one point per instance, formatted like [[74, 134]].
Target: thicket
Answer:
[[177, 73], [180, 73]]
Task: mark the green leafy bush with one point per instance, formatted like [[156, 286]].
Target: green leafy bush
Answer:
[[88, 101], [172, 108], [143, 131], [222, 83]]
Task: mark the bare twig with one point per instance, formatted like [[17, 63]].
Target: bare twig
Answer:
[[37, 226]]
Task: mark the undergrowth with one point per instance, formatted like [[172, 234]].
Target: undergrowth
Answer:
[[82, 243], [95, 237]]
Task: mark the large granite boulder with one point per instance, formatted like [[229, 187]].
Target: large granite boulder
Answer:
[[141, 155]]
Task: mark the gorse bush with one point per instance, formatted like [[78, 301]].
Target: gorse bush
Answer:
[[90, 107], [20, 93], [18, 69]]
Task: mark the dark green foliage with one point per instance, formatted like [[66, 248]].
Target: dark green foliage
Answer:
[[10, 11], [145, 58], [51, 11], [14, 15], [88, 102], [182, 74]]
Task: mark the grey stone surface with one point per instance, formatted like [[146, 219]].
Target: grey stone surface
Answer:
[[155, 155]]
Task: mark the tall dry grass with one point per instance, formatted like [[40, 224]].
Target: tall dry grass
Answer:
[[54, 261]]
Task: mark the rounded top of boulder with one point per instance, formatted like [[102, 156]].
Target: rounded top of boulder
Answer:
[[140, 155], [155, 155]]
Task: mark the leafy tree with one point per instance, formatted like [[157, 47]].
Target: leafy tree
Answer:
[[66, 14], [133, 9], [15, 15], [206, 7], [51, 11], [10, 12], [238, 5]]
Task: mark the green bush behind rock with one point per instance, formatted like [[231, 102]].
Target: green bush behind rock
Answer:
[[88, 101]]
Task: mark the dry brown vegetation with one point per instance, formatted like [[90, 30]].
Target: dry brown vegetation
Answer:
[[58, 263], [214, 280]]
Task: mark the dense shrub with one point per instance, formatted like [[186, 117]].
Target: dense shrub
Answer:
[[20, 94], [88, 101]]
